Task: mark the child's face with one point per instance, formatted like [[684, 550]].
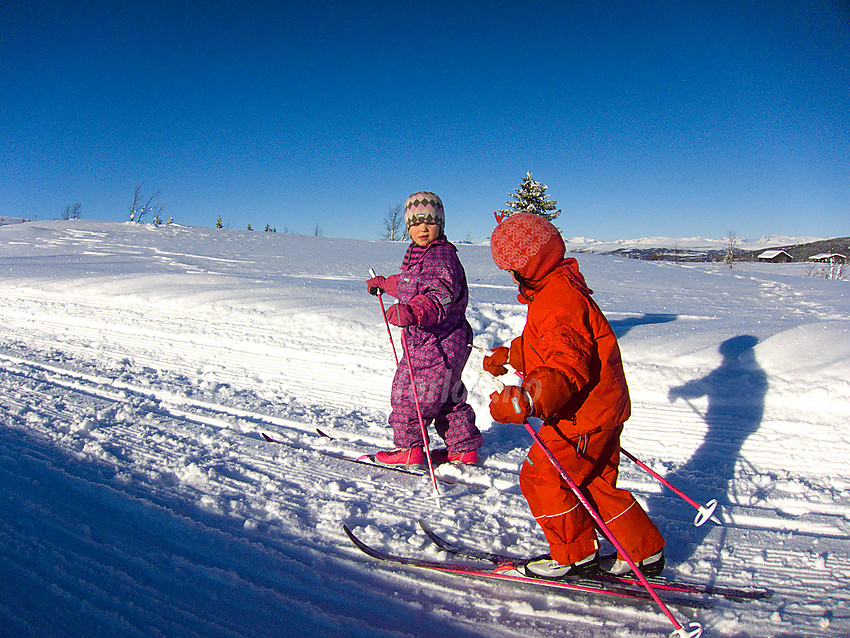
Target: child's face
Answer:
[[423, 234]]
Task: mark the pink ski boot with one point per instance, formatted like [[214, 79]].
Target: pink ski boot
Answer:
[[413, 456]]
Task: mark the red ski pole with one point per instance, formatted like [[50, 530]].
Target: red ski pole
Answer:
[[704, 512], [386, 322], [422, 428], [694, 630]]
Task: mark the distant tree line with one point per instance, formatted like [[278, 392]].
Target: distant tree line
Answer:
[[73, 211]]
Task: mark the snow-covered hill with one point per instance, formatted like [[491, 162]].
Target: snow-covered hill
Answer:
[[696, 244], [139, 366]]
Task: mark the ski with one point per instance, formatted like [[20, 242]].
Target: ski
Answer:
[[369, 461], [507, 573], [732, 593], [362, 460]]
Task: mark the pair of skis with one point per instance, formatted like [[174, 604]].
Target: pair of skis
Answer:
[[504, 568], [732, 593]]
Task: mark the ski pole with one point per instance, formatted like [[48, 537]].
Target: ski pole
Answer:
[[386, 322], [695, 629], [704, 512], [422, 428]]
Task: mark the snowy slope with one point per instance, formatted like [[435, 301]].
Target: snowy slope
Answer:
[[139, 365], [585, 244]]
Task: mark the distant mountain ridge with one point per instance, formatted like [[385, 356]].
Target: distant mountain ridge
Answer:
[[701, 249]]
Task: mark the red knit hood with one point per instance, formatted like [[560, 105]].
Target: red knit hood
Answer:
[[532, 247]]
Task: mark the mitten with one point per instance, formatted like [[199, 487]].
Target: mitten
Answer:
[[376, 285], [511, 405], [401, 315], [426, 311], [495, 363]]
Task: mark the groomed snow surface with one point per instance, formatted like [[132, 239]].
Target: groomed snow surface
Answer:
[[139, 366]]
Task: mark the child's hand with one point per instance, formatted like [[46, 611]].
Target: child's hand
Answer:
[[379, 285], [376, 285], [511, 405], [495, 363], [401, 315]]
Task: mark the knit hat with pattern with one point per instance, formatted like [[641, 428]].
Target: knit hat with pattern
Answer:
[[528, 244], [424, 206]]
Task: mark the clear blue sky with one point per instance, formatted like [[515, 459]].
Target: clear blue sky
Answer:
[[644, 118]]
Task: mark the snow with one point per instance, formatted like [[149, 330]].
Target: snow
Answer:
[[585, 244], [139, 366]]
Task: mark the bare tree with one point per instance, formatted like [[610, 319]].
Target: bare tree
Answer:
[[139, 210], [72, 211], [731, 242], [394, 223]]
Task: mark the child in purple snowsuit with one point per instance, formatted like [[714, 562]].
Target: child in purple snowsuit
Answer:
[[431, 309]]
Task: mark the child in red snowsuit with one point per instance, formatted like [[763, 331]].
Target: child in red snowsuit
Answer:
[[432, 297], [573, 380]]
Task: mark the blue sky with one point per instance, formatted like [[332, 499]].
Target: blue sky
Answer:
[[643, 118]]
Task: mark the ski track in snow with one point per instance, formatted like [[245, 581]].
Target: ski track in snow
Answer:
[[140, 499]]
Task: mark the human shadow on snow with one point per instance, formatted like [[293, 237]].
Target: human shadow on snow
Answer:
[[735, 392]]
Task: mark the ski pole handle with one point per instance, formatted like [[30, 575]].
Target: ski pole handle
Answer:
[[499, 385]]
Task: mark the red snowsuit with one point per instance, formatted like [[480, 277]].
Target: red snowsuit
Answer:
[[570, 360]]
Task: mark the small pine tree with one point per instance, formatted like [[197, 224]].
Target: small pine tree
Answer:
[[218, 222], [531, 197], [249, 226]]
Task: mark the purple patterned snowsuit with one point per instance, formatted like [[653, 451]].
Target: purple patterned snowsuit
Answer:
[[438, 352]]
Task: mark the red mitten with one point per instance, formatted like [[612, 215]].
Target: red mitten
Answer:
[[511, 405], [426, 311], [495, 363], [376, 285], [401, 315]]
